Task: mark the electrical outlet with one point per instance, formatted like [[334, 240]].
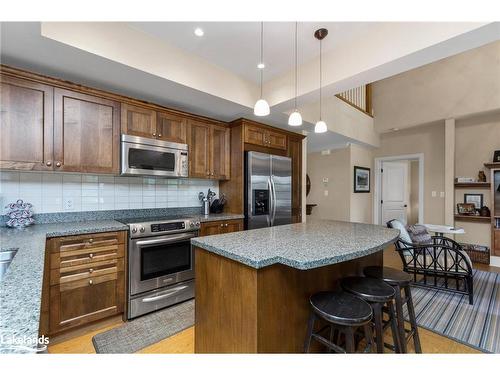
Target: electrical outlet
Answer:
[[69, 204], [326, 193]]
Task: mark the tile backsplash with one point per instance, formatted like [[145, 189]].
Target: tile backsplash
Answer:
[[62, 192]]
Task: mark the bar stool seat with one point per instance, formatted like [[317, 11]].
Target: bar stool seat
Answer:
[[401, 282], [344, 313], [390, 275], [379, 295], [367, 289]]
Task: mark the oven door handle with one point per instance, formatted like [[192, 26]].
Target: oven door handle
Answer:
[[162, 240], [165, 295]]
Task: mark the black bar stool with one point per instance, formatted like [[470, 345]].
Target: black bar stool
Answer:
[[344, 313], [400, 281], [378, 294]]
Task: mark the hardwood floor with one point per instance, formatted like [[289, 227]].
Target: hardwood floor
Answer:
[[183, 342]]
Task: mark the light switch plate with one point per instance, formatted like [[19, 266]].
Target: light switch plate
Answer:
[[69, 204], [441, 194], [434, 194]]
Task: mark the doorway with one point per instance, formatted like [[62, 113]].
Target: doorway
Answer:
[[399, 189]]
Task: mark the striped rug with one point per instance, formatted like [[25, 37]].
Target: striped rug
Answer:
[[450, 315]]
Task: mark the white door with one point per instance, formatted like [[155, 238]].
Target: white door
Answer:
[[395, 194]]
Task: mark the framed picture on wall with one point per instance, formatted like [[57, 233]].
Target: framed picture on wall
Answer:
[[361, 180], [475, 199]]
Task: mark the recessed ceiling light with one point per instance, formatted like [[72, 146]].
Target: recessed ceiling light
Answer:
[[199, 31], [261, 65]]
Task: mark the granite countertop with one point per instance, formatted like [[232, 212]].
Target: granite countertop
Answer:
[[21, 288], [303, 246], [217, 217]]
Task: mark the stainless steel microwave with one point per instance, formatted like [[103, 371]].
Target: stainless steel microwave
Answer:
[[151, 157]]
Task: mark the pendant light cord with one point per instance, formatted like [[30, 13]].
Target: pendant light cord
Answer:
[[320, 82], [261, 54], [296, 64]]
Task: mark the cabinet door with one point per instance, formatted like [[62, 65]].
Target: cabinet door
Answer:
[[171, 128], [276, 140], [233, 226], [255, 135], [210, 228], [26, 124], [220, 153], [295, 152], [138, 121], [83, 301], [86, 133], [199, 149]]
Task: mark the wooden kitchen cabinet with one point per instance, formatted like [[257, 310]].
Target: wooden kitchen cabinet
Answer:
[[262, 136], [26, 124], [295, 153], [171, 128], [138, 121], [496, 243], [209, 150], [220, 227], [85, 279], [86, 133], [199, 149], [220, 152]]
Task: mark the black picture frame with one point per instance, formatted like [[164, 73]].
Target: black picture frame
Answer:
[[362, 179], [496, 156], [475, 197]]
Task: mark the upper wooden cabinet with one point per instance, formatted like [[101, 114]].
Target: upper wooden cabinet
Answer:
[[262, 136], [145, 122], [86, 133], [209, 150], [138, 121], [171, 128], [26, 124], [220, 152]]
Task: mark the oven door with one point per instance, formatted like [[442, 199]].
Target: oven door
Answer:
[[148, 160], [156, 262]]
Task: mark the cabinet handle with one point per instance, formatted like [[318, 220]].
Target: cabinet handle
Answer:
[[208, 173], [222, 225], [91, 255], [225, 225], [58, 164], [212, 173], [49, 163], [90, 282], [91, 270], [159, 135], [91, 240]]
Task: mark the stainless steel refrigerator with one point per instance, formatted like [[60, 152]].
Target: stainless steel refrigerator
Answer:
[[268, 190]]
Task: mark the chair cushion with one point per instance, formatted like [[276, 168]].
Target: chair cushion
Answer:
[[419, 234], [403, 233]]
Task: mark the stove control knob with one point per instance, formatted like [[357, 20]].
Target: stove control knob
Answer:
[[142, 229], [191, 224], [197, 224], [134, 229]]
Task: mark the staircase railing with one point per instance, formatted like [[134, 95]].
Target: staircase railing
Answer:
[[360, 98]]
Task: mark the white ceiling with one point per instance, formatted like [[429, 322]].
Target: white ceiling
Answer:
[[235, 46]]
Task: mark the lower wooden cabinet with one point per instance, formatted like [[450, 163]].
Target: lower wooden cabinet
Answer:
[[86, 279], [221, 227]]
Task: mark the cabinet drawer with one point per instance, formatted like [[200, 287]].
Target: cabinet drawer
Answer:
[[86, 241], [86, 256], [85, 271]]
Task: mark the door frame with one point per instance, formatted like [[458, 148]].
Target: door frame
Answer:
[[377, 190]]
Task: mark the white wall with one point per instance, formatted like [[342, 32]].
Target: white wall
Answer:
[[50, 192]]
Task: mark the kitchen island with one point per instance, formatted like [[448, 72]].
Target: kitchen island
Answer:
[[253, 287]]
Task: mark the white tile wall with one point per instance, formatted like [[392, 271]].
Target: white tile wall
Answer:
[[57, 192]]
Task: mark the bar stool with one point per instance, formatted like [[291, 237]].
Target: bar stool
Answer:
[[378, 294], [344, 313], [400, 281]]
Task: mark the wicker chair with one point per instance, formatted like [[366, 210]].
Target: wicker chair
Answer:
[[441, 264]]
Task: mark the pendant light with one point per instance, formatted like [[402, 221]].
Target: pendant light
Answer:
[[261, 107], [320, 126], [295, 118]]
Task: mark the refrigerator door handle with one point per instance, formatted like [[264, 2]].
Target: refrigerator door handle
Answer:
[[270, 216], [273, 198]]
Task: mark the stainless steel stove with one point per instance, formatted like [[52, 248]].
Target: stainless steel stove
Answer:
[[160, 263]]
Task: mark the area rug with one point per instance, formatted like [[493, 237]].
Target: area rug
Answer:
[[146, 330], [449, 314]]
